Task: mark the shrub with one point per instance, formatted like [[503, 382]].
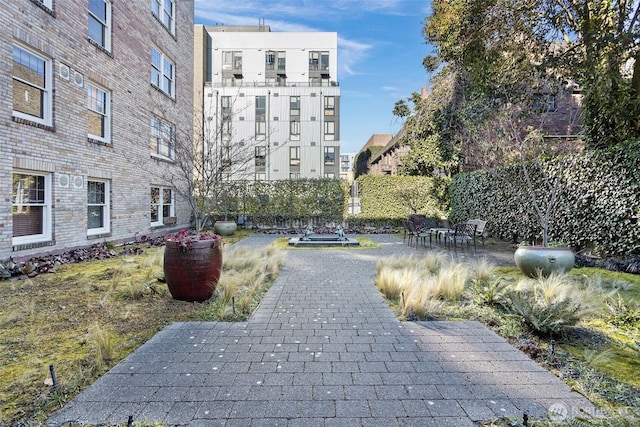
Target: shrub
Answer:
[[547, 305]]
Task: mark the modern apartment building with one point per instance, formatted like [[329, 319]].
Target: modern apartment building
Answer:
[[269, 100], [92, 96]]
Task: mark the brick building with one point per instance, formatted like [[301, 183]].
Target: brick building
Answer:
[[92, 95]]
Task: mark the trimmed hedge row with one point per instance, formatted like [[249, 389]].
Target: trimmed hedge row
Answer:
[[387, 200], [287, 201], [598, 207]]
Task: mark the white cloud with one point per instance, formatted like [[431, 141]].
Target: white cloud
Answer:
[[350, 54]]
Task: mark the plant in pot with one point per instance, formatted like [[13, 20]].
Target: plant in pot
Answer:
[[192, 264], [228, 203], [543, 183], [200, 169]]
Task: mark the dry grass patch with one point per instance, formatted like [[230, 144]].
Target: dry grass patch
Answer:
[[87, 317]]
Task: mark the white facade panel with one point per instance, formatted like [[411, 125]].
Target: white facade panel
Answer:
[[241, 71]]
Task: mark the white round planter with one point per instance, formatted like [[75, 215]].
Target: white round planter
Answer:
[[534, 260], [225, 228]]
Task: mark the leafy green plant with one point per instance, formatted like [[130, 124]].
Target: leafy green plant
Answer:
[[548, 304], [621, 312]]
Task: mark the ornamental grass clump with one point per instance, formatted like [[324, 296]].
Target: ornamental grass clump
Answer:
[[547, 305]]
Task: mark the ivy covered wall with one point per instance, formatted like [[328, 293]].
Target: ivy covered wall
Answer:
[[598, 207]]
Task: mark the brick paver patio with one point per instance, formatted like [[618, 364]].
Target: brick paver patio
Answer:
[[323, 349]]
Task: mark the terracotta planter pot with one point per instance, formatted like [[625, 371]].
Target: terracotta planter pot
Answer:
[[225, 228], [192, 274], [532, 260]]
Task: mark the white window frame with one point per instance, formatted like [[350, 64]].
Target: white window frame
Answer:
[[106, 24], [163, 135], [329, 105], [46, 91], [294, 130], [104, 110], [104, 205], [167, 18], [160, 204], [294, 155], [45, 236], [329, 131], [166, 82]]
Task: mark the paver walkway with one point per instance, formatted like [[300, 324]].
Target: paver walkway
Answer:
[[323, 349]]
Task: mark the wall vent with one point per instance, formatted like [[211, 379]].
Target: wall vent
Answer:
[[78, 79], [78, 182], [63, 180], [64, 71]]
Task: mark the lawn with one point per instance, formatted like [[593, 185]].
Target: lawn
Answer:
[[86, 317]]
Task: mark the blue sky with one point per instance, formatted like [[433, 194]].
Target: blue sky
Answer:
[[380, 50]]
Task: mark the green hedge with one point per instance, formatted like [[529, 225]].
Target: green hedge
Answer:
[[271, 203], [386, 200], [598, 208]]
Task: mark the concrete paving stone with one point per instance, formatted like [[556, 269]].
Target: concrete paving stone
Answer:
[[454, 422], [169, 394], [387, 408], [181, 411], [343, 422], [339, 378], [297, 392], [423, 391], [385, 392], [476, 410], [360, 392], [455, 391], [370, 367], [328, 392], [353, 409], [283, 409], [418, 422], [214, 410], [395, 366], [233, 392], [249, 409], [270, 422], [445, 408], [305, 378], [306, 422]]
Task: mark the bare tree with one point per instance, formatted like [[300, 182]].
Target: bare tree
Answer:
[[203, 164]]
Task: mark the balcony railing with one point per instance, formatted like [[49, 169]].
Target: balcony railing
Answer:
[[244, 83]]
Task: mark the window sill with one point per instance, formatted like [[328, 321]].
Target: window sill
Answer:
[[98, 142], [100, 47], [163, 92], [43, 7], [42, 126], [98, 235], [162, 158], [25, 246]]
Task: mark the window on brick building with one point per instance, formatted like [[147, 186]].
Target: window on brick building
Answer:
[[164, 10], [162, 138], [100, 23], [162, 206], [32, 83], [162, 72], [98, 217], [31, 206], [99, 112]]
